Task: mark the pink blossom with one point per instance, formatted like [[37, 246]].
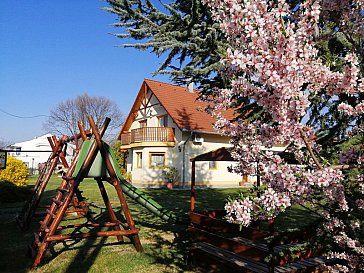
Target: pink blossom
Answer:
[[275, 63], [346, 109], [360, 203], [360, 108]]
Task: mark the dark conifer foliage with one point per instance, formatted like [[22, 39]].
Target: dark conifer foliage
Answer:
[[182, 33], [191, 45]]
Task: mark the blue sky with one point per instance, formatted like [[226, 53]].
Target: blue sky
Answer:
[[55, 50]]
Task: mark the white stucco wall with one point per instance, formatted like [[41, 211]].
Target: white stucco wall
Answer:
[[32, 159], [151, 114], [205, 176], [179, 155]]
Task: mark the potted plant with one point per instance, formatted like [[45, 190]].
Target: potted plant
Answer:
[[171, 175]]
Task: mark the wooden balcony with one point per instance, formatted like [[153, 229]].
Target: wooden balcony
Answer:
[[148, 136]]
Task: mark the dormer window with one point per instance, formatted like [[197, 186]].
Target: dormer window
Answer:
[[163, 121]]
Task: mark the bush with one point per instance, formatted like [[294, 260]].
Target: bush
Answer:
[[170, 174], [127, 176], [10, 193], [16, 172], [120, 157]]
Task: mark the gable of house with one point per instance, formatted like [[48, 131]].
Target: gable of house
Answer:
[[182, 106], [167, 126]]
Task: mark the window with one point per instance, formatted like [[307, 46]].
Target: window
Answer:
[[143, 123], [212, 165], [139, 159], [156, 160], [163, 121]]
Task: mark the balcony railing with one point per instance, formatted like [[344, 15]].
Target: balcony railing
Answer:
[[148, 134]]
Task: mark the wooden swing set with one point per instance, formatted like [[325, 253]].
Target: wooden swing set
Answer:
[[93, 159], [59, 147]]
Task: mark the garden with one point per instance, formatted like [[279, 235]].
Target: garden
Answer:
[[292, 73], [165, 245]]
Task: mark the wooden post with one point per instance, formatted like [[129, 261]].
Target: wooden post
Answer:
[[116, 184], [82, 130], [193, 186], [109, 208], [244, 179]]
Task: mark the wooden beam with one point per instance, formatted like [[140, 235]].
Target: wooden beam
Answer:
[[193, 186], [62, 237]]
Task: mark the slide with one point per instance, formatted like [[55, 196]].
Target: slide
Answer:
[[143, 199], [98, 169], [150, 204]]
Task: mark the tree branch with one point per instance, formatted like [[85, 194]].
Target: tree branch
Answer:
[[309, 148], [346, 167]]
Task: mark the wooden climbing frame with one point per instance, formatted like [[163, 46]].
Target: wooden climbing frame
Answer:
[[59, 147], [71, 180]]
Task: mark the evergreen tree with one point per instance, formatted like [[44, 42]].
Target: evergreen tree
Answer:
[[192, 44], [182, 32]]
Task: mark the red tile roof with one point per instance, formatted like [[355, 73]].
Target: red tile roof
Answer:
[[181, 105]]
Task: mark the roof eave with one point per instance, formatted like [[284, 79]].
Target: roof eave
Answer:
[[201, 132], [129, 120]]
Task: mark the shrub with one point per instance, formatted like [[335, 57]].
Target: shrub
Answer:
[[120, 156], [127, 176], [170, 174], [16, 172]]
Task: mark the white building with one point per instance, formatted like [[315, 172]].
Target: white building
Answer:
[[35, 151], [167, 127]]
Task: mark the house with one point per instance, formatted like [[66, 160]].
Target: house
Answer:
[[167, 126], [35, 151]]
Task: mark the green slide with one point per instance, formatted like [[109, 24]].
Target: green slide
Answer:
[[98, 169]]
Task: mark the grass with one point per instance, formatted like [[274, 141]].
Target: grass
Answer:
[[165, 245]]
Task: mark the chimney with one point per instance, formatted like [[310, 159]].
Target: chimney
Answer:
[[190, 86]]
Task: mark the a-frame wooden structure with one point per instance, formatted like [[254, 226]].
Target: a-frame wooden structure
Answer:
[[51, 224], [58, 154]]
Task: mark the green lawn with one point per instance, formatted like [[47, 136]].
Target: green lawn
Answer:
[[165, 245]]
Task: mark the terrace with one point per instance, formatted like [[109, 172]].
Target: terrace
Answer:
[[148, 136]]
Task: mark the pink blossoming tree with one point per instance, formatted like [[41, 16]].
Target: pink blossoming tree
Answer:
[[273, 63]]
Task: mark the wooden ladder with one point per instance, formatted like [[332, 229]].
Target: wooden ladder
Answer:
[[51, 224], [59, 146]]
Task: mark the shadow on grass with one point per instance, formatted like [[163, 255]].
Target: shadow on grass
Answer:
[[86, 254], [294, 218], [170, 250], [169, 242], [164, 243], [13, 244]]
